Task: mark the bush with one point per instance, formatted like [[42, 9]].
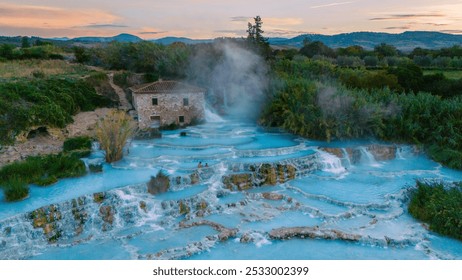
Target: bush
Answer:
[[43, 102], [158, 184], [113, 133], [77, 143], [15, 189], [43, 170], [439, 205], [95, 167]]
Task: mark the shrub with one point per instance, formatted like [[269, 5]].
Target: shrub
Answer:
[[46, 181], [113, 133], [15, 189], [439, 205], [43, 170], [159, 184], [95, 167], [77, 143]]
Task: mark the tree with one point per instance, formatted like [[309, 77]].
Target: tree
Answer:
[[25, 42], [255, 37], [113, 132], [317, 48], [385, 50], [81, 54]]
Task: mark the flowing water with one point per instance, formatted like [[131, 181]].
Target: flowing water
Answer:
[[264, 195]]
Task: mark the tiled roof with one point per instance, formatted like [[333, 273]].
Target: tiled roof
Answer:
[[166, 87]]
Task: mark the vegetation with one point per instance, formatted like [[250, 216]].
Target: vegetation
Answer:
[[18, 69], [79, 146], [143, 57], [159, 183], [15, 189], [95, 167], [309, 99], [113, 132], [39, 170], [43, 102], [439, 205]]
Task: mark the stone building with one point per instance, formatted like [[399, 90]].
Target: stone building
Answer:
[[168, 102]]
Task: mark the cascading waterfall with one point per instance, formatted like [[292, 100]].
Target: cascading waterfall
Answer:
[[331, 163], [261, 196], [367, 158], [210, 116]]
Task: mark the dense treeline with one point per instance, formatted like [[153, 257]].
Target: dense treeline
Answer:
[[41, 51], [439, 206], [143, 57], [308, 99], [27, 103], [384, 55]]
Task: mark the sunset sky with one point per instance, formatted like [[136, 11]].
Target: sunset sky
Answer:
[[210, 19]]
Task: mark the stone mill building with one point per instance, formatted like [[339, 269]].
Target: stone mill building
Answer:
[[168, 102]]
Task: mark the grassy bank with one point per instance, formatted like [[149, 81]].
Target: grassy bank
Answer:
[[39, 170], [440, 206]]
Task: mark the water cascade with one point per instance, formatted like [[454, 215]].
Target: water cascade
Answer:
[[257, 195]]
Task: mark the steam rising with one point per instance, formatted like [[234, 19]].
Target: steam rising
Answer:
[[236, 78]]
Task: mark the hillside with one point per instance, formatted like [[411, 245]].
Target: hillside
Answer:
[[403, 41]]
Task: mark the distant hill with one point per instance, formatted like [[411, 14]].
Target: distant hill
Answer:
[[404, 41], [119, 38], [170, 40]]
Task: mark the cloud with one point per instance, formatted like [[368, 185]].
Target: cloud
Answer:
[[398, 27], [104, 26], [272, 21], [332, 4], [241, 18], [151, 32], [407, 16], [16, 15], [452, 31]]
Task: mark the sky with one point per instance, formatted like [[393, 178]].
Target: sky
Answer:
[[205, 19]]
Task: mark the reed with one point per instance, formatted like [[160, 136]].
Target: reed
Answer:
[[113, 133]]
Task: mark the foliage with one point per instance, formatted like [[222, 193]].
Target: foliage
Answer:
[[43, 102], [95, 167], [439, 205], [113, 132], [159, 183], [142, 57], [77, 143], [15, 189], [305, 99], [256, 39], [43, 170], [317, 48]]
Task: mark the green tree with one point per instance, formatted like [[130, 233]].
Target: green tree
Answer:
[[81, 54], [317, 48], [25, 42], [255, 37], [385, 50]]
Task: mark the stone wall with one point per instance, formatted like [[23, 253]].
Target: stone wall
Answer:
[[169, 107]]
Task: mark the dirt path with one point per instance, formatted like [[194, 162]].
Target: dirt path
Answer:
[[124, 104]]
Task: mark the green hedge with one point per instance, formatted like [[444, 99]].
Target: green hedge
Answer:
[[440, 206]]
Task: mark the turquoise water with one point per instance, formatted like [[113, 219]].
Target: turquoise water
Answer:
[[367, 198]]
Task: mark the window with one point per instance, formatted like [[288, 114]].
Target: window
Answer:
[[185, 101], [154, 101], [181, 119]]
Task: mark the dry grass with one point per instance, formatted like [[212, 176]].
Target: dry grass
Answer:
[[113, 132], [27, 68]]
